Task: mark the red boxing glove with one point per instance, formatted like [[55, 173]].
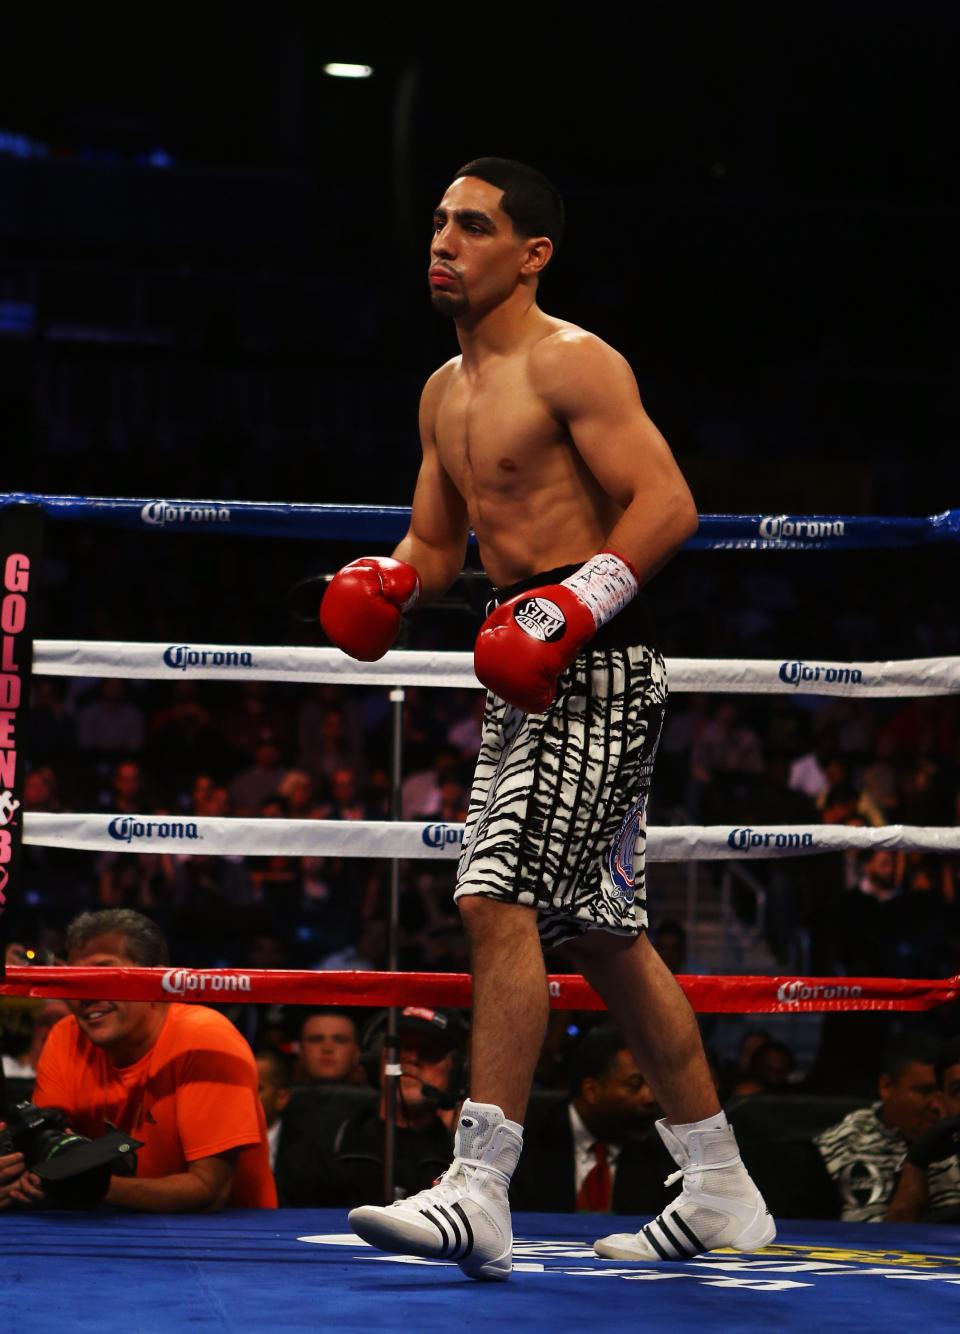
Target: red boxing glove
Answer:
[[525, 644], [362, 606]]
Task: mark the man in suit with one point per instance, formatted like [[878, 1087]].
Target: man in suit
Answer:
[[597, 1151]]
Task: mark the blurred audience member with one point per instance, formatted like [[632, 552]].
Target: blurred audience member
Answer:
[[41, 790], [734, 1071], [128, 795], [598, 1151], [367, 953], [464, 733], [329, 1049], [346, 802], [929, 1185], [808, 773], [769, 1071], [251, 788], [252, 717], [22, 1064], [313, 736], [726, 756], [273, 1071], [864, 1152], [52, 727], [421, 796], [875, 930], [110, 722], [296, 789], [143, 880], [184, 739], [431, 1055], [670, 939]]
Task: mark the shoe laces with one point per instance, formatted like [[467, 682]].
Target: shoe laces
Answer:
[[450, 1186], [696, 1168]]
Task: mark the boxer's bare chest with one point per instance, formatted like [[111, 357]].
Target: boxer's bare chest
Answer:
[[495, 435]]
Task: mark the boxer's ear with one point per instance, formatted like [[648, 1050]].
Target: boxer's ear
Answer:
[[538, 251]]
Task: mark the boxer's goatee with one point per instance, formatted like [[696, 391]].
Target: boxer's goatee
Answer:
[[452, 304]]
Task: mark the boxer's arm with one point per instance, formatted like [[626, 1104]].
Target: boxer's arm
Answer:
[[591, 389], [436, 541]]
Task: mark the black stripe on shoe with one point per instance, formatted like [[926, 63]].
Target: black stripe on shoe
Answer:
[[458, 1209], [458, 1240], [684, 1227], [654, 1243], [445, 1242], [683, 1250]]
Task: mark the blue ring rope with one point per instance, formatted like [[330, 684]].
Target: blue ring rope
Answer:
[[388, 523]]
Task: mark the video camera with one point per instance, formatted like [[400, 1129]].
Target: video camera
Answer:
[[75, 1170]]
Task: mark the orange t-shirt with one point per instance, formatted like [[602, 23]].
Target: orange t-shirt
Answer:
[[193, 1095]]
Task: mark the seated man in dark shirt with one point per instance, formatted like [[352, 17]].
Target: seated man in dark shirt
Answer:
[[598, 1150], [350, 1170]]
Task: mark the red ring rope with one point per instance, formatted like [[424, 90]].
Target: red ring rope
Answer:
[[707, 995]]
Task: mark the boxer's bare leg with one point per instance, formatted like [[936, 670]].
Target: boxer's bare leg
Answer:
[[655, 1017], [510, 1001]]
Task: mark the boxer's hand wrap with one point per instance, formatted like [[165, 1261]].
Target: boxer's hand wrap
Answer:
[[364, 602], [526, 643]]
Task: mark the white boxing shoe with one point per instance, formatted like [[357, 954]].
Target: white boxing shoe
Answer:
[[465, 1216], [718, 1206]]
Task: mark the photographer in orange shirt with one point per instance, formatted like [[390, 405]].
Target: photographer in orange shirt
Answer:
[[180, 1078]]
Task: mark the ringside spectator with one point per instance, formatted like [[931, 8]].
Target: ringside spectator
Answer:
[[329, 1049], [929, 1185], [864, 1152], [597, 1151], [180, 1078]]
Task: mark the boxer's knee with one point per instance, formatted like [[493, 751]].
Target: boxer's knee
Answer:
[[487, 919]]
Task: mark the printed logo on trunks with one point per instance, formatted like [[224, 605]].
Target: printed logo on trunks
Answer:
[[621, 854], [540, 619]]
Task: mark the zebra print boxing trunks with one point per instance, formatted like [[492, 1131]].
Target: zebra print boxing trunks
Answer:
[[557, 816]]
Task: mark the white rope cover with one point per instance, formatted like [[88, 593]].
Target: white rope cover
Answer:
[[415, 840], [230, 662]]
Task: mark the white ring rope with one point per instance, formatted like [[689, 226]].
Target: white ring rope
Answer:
[[416, 840], [230, 662]]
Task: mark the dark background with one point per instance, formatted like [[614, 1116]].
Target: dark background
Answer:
[[762, 216]]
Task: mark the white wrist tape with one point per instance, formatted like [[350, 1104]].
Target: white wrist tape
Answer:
[[606, 584]]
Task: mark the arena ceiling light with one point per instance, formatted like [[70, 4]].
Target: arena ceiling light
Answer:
[[339, 69]]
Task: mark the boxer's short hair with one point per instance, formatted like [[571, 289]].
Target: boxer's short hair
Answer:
[[532, 203]]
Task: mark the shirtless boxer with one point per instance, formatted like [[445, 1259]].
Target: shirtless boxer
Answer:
[[536, 438]]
